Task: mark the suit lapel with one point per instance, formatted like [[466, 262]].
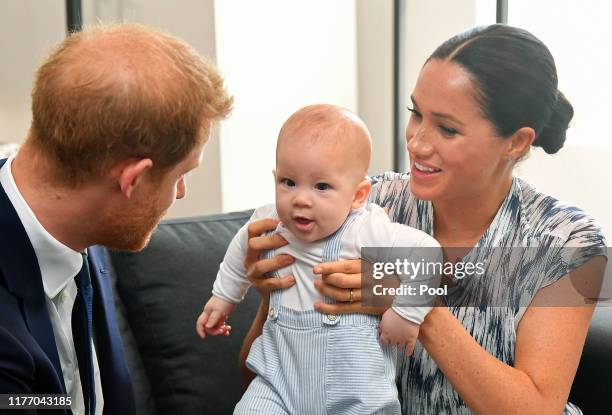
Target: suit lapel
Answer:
[[114, 373], [22, 274]]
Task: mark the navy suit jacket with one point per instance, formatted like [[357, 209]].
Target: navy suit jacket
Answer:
[[29, 361]]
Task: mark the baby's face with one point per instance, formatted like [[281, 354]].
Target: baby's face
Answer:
[[315, 188]]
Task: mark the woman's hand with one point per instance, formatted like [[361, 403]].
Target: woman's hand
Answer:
[[341, 281], [256, 267]]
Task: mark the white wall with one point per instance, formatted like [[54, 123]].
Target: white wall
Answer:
[[428, 24], [375, 78], [580, 172], [28, 29], [277, 56], [296, 52]]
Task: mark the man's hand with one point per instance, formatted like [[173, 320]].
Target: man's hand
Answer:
[[397, 331], [213, 318]]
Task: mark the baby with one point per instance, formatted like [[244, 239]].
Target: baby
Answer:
[[308, 362]]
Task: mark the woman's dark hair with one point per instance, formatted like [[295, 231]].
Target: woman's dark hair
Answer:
[[516, 81]]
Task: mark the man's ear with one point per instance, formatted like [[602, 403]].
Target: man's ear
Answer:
[[520, 142], [361, 194], [130, 173]]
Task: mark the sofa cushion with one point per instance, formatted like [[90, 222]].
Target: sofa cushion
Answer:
[[592, 387], [163, 289]]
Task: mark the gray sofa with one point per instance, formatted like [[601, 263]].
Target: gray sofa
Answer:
[[161, 290]]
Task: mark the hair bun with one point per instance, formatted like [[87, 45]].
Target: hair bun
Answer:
[[552, 136]]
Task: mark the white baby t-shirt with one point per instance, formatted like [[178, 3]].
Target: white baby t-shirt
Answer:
[[369, 226]]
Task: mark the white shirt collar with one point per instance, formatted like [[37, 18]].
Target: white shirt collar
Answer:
[[58, 263]]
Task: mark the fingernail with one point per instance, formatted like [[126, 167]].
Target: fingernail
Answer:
[[316, 270], [292, 280]]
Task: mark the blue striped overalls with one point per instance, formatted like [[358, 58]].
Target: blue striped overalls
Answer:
[[309, 363]]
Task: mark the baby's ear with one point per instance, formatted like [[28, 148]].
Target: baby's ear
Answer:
[[361, 194]]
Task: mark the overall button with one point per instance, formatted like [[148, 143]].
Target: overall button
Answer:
[[332, 317], [272, 312]]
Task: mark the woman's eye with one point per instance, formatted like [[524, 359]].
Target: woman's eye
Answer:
[[414, 112], [322, 186], [288, 182], [447, 130]]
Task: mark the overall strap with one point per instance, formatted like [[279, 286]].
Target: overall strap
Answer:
[[331, 252]]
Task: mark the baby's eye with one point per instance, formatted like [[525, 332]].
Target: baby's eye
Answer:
[[287, 182], [322, 186]]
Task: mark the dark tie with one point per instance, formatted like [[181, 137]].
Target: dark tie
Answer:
[[82, 335]]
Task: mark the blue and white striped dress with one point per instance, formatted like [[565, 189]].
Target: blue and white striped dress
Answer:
[[526, 218]]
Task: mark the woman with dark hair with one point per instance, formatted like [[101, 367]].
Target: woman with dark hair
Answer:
[[482, 99]]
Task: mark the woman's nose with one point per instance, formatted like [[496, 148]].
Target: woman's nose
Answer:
[[418, 142]]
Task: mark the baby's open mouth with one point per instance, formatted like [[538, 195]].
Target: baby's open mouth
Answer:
[[302, 223]]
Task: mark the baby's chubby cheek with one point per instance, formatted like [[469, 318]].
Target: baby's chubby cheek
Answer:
[[328, 226], [283, 215]]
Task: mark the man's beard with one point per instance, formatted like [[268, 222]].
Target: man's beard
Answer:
[[131, 229]]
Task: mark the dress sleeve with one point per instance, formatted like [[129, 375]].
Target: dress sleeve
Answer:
[[584, 241], [232, 283], [384, 185]]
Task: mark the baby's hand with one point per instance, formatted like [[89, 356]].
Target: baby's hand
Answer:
[[212, 320], [397, 331]]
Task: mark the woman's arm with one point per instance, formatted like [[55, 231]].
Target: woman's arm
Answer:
[[257, 270], [549, 342], [548, 348]]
